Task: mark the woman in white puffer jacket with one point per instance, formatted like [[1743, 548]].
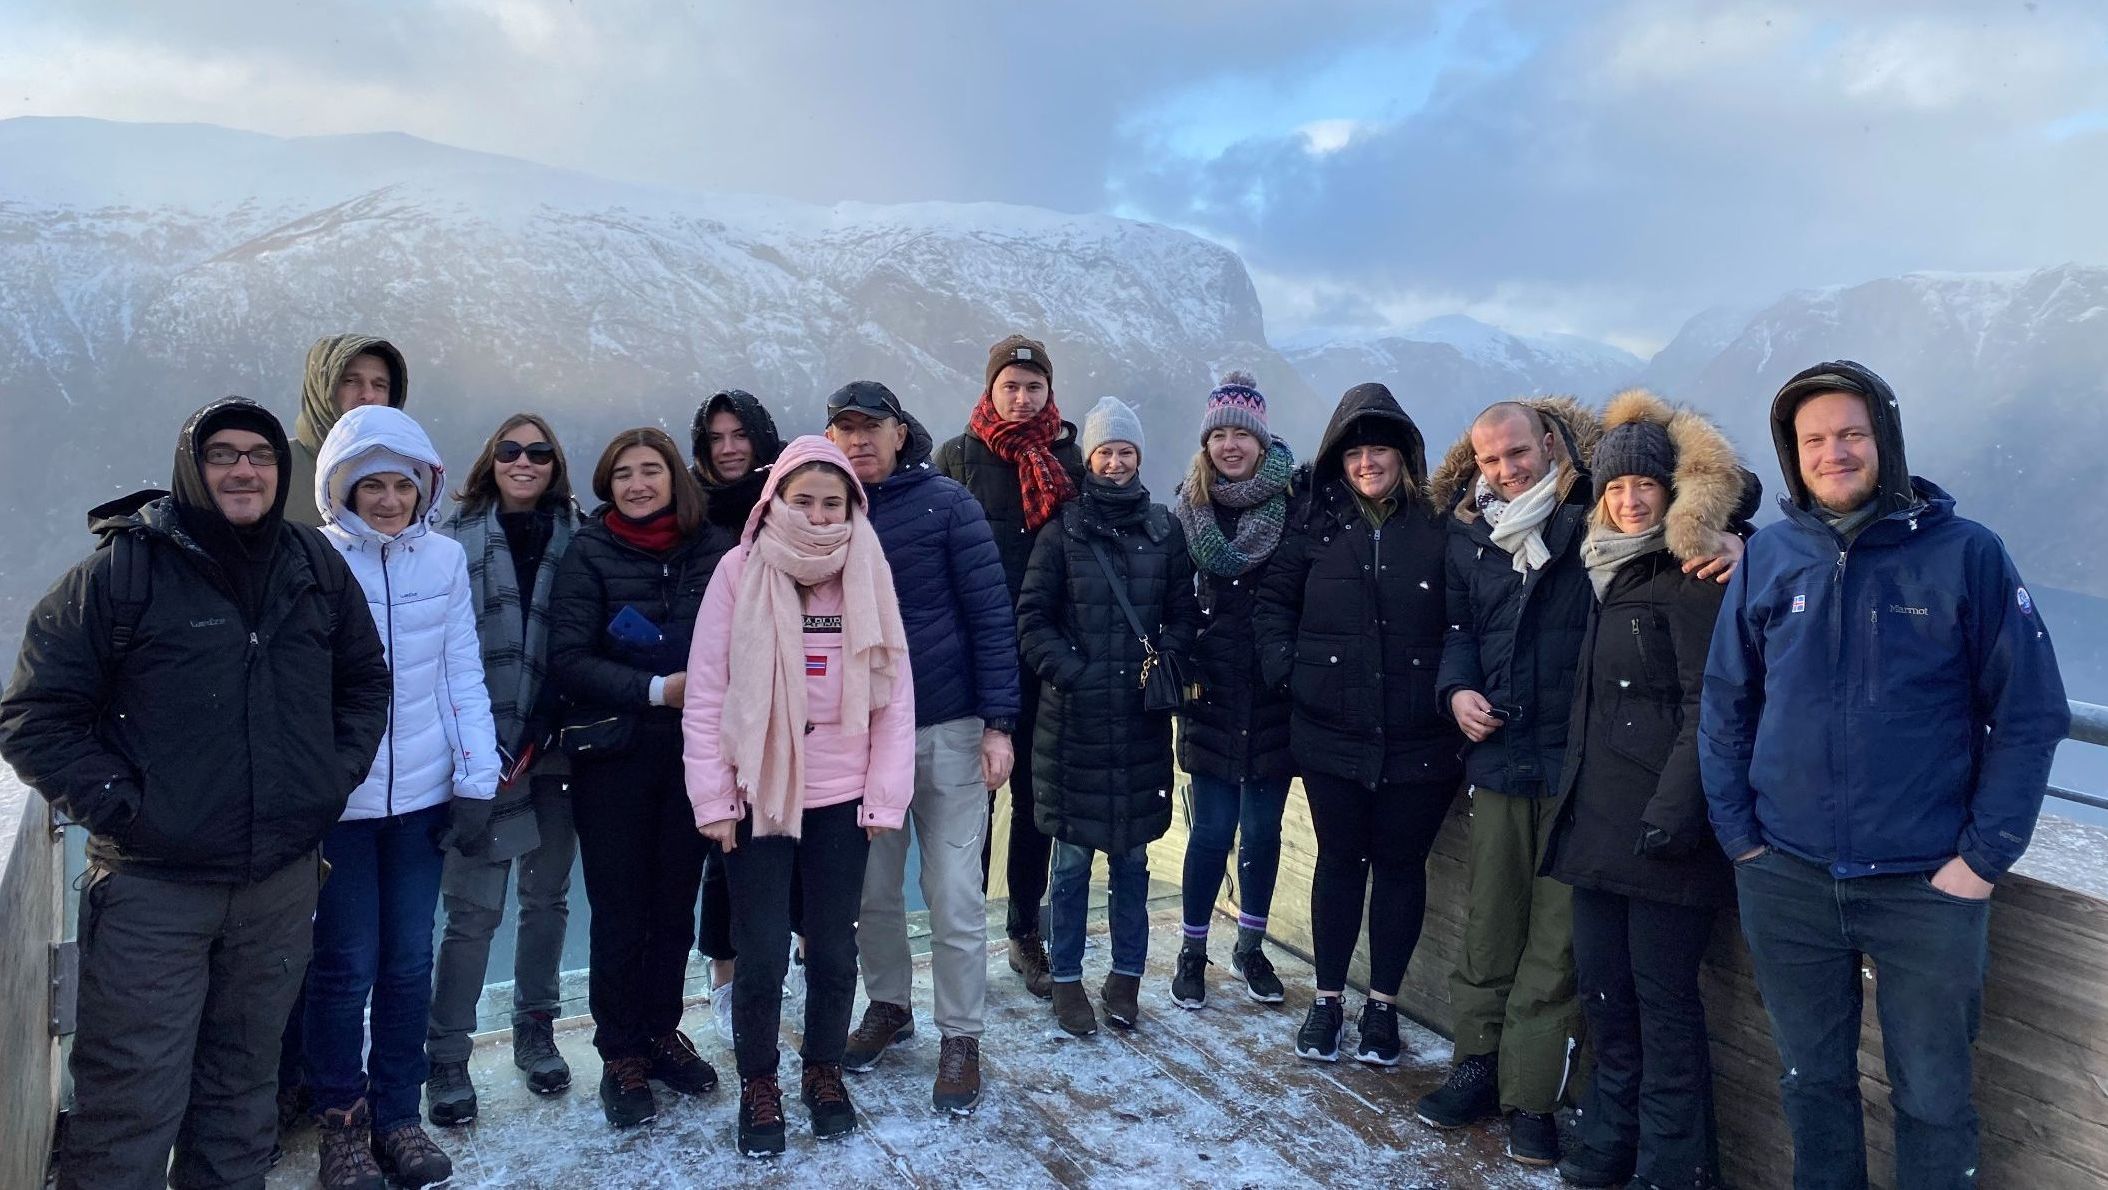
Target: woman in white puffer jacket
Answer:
[[377, 480]]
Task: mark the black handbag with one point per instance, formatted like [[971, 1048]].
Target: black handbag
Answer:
[[592, 735], [1167, 685]]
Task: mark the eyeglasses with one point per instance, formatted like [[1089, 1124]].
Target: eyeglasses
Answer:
[[223, 455], [541, 454]]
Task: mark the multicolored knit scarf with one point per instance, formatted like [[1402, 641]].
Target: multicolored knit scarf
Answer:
[[1028, 446], [1263, 500]]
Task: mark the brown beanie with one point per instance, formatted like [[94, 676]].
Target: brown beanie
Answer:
[[1017, 349]]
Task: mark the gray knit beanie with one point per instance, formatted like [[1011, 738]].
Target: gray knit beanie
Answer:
[[1111, 420], [1635, 448]]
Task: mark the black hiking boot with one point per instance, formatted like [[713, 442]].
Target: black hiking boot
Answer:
[[826, 1097], [344, 1151], [675, 1063], [450, 1097], [1471, 1094], [534, 1052], [410, 1158], [760, 1117], [1533, 1137], [625, 1092]]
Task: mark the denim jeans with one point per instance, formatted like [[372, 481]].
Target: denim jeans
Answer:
[[1247, 813], [1806, 932], [1069, 904], [373, 939]]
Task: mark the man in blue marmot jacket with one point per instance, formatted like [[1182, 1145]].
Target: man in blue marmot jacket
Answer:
[[962, 638], [1881, 706]]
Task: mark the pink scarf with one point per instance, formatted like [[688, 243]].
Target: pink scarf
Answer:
[[763, 730]]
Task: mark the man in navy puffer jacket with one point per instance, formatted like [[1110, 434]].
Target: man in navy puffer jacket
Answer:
[[1881, 706], [962, 638]]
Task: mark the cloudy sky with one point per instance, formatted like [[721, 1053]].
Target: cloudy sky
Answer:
[[1549, 165]]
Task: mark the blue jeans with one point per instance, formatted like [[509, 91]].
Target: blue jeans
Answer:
[[373, 938], [1806, 932], [1068, 903], [1249, 814]]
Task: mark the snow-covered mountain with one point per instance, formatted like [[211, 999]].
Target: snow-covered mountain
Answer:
[[1446, 369], [2002, 380], [152, 267]]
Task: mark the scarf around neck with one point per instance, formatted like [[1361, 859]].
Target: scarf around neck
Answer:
[[1262, 508], [654, 534], [1113, 507], [1606, 551], [763, 729], [1043, 483], [1518, 524]]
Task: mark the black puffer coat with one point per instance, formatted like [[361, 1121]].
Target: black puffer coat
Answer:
[[1351, 614], [597, 675], [1514, 637], [729, 503], [1632, 750], [215, 748], [1238, 731], [994, 483], [1101, 765]]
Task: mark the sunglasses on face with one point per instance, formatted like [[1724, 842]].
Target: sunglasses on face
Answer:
[[541, 454], [226, 456]]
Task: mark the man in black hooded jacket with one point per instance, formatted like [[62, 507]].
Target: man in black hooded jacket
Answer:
[[202, 693]]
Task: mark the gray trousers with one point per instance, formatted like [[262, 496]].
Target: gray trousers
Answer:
[[473, 891], [950, 811], [184, 991]]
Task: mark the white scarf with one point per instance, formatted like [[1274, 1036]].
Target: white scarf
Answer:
[[1518, 525]]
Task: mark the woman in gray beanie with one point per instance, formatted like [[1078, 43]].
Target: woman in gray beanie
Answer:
[[1102, 762], [1630, 833]]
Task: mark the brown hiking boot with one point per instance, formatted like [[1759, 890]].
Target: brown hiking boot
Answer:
[[409, 1158], [1123, 999], [344, 1151], [1072, 1007], [1028, 957], [884, 1026], [958, 1087]]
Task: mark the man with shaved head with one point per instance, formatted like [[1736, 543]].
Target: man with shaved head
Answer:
[[1518, 494]]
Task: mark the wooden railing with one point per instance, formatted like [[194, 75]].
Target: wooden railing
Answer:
[[2041, 1060]]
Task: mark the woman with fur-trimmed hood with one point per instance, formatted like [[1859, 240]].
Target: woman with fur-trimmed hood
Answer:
[[1630, 834]]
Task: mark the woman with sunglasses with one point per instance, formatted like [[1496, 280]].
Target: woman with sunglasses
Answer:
[[514, 518]]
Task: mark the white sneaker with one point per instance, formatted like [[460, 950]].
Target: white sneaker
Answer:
[[721, 1008]]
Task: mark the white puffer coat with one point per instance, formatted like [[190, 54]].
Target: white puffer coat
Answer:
[[440, 742]]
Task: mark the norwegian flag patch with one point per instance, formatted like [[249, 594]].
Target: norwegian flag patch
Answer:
[[816, 665]]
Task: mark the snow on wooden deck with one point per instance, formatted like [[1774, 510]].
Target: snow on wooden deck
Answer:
[[1215, 1097]]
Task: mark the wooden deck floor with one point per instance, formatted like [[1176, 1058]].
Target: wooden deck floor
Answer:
[[1210, 1098]]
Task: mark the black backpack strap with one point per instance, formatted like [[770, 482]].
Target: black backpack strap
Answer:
[[131, 585]]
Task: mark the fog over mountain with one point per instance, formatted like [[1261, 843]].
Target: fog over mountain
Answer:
[[151, 267]]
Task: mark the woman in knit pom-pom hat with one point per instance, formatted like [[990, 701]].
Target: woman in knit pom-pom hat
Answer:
[[1233, 742]]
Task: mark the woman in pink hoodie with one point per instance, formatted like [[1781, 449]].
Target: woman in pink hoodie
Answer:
[[799, 738]]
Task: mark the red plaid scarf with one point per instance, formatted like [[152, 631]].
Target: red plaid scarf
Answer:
[[1028, 446]]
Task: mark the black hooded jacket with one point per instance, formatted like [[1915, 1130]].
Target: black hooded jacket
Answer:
[[730, 503], [1350, 615], [1515, 637], [219, 745], [994, 483], [1101, 765]]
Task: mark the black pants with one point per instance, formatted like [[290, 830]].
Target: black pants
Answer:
[[1636, 968], [827, 862], [643, 865], [184, 990], [1385, 832], [714, 933], [1030, 851]]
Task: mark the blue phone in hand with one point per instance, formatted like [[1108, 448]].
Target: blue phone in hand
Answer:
[[631, 628]]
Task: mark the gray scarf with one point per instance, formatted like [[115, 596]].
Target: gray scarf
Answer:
[[515, 646], [1848, 524], [1607, 550]]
